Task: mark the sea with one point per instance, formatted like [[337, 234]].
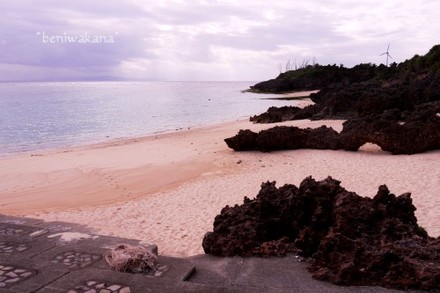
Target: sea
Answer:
[[37, 116]]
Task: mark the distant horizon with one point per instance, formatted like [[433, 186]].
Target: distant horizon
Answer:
[[109, 80], [119, 79]]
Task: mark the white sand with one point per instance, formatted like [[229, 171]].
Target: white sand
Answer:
[[167, 189]]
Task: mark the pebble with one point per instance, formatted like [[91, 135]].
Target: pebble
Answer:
[[10, 275], [76, 260], [11, 231], [9, 248], [25, 275], [39, 233], [93, 286]]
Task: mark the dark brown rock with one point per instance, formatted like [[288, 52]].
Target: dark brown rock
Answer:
[[348, 93], [317, 76], [276, 114], [417, 135], [389, 130], [350, 240], [283, 137], [245, 140]]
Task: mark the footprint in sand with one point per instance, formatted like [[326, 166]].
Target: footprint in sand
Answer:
[[111, 181]]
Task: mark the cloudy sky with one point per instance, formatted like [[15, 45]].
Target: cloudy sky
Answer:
[[204, 40]]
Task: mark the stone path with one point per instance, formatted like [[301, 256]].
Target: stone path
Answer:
[[53, 257]]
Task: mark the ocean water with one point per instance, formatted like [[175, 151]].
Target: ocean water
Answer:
[[45, 115]]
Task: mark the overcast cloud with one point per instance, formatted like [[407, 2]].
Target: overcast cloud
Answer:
[[204, 40]]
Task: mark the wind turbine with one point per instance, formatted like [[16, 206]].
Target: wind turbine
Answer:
[[387, 52]]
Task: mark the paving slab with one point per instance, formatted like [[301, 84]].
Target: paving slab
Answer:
[[22, 247], [216, 271], [95, 279], [285, 274], [22, 276]]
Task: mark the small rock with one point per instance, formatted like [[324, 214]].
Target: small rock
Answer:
[[25, 275], [114, 287], [125, 290], [11, 274]]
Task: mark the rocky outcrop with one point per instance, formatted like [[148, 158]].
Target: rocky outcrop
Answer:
[[374, 97], [285, 113], [350, 240], [284, 137], [419, 133], [365, 89], [317, 76], [361, 99], [276, 114]]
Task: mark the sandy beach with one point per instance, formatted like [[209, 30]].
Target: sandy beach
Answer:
[[167, 188]]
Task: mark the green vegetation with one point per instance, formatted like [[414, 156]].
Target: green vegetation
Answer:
[[312, 77]]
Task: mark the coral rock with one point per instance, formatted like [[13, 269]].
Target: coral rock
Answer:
[[350, 240]]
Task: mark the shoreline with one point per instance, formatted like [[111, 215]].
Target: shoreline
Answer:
[[86, 142], [116, 140], [168, 188]]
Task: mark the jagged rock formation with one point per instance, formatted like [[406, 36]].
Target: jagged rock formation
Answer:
[[394, 131], [360, 100], [284, 137], [365, 89], [285, 113], [420, 132], [350, 240], [374, 97], [276, 114]]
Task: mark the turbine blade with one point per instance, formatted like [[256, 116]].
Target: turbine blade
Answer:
[[382, 54], [390, 56], [388, 47]]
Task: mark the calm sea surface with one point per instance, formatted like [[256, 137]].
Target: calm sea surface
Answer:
[[38, 116]]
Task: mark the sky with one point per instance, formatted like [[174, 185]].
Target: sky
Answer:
[[221, 40]]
